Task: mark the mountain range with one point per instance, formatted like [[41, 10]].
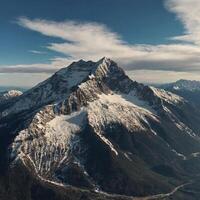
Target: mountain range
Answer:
[[188, 89], [90, 132]]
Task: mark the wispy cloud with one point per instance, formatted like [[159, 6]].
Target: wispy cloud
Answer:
[[51, 67], [37, 52], [188, 12], [92, 41]]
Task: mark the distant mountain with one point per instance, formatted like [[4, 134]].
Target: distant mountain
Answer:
[[90, 132], [8, 95], [187, 85], [190, 90]]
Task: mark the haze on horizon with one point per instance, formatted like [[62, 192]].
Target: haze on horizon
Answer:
[[155, 41]]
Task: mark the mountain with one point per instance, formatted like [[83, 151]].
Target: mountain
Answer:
[[188, 89], [8, 95], [90, 132], [184, 85]]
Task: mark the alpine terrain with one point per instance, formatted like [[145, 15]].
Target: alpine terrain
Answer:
[[188, 89], [90, 132]]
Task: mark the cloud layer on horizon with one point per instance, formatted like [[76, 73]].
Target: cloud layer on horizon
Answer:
[[91, 41]]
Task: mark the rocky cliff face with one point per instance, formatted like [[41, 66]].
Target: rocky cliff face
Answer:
[[91, 127]]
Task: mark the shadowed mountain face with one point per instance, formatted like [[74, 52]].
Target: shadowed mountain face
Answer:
[[90, 132]]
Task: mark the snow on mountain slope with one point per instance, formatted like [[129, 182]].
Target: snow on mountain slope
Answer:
[[53, 89], [52, 143], [56, 138], [114, 108]]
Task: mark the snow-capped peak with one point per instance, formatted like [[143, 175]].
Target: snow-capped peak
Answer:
[[82, 82], [59, 87]]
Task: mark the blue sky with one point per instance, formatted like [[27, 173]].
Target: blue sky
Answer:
[[154, 40]]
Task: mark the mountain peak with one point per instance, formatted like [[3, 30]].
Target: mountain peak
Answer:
[[82, 82], [81, 71], [105, 59], [85, 68], [105, 73]]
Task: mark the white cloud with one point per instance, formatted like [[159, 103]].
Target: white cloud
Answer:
[[91, 41], [37, 52], [51, 67], [188, 12]]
